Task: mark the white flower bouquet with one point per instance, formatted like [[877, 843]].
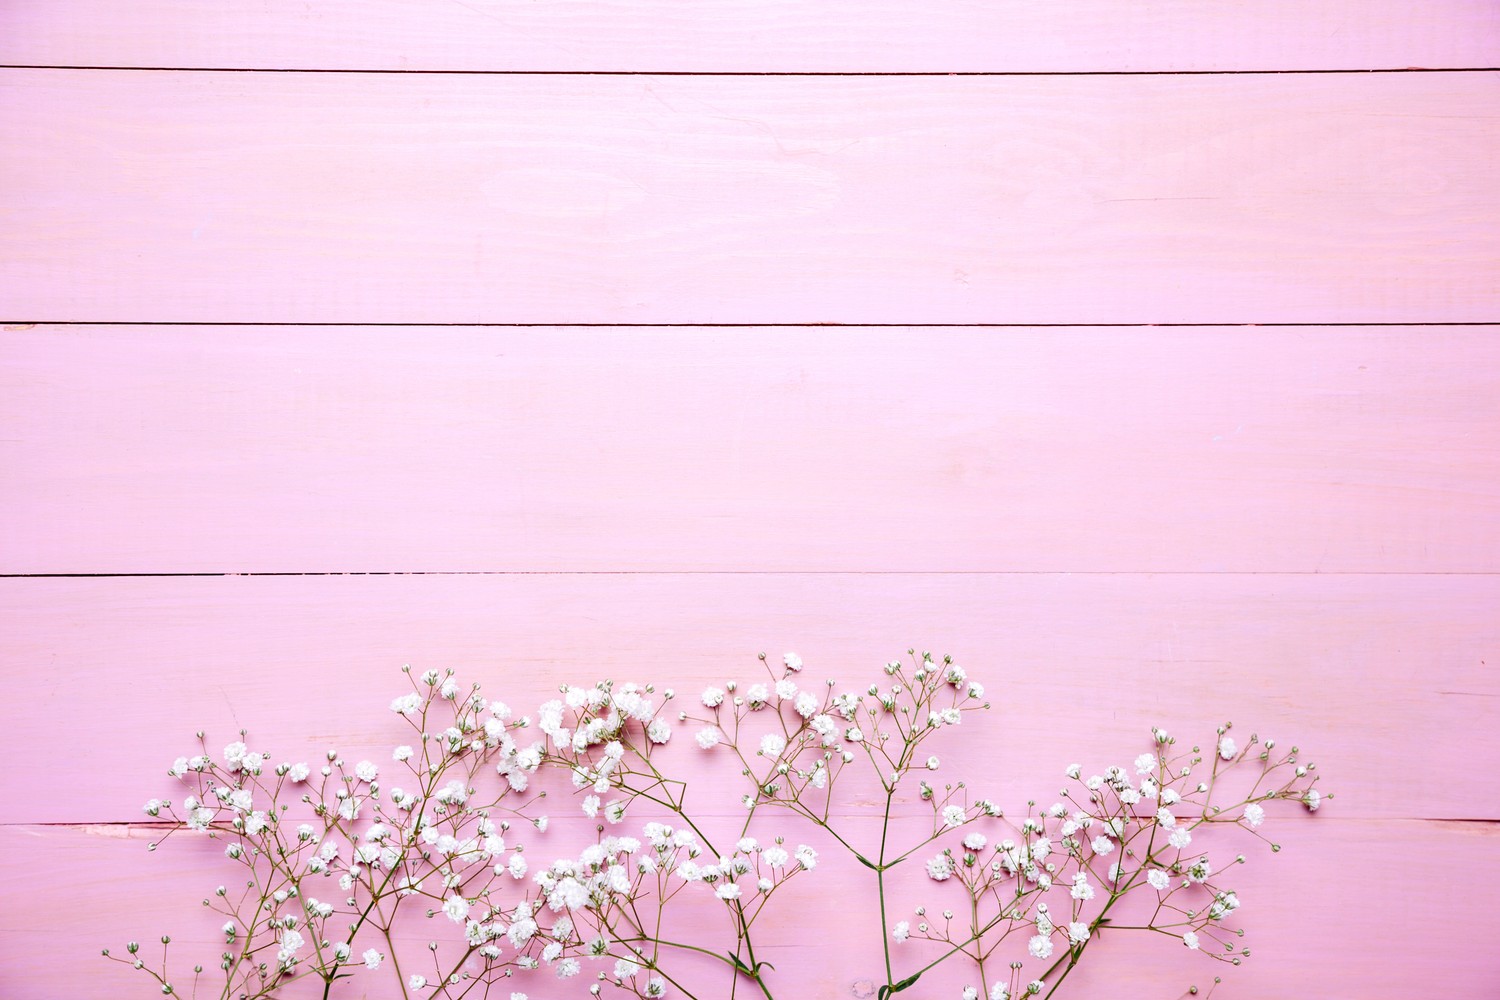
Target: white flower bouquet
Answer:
[[343, 865]]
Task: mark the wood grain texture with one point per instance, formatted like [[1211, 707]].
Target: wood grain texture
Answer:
[[758, 37], [214, 197], [1384, 680], [226, 449], [1307, 913]]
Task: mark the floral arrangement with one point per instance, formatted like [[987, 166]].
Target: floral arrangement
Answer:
[[342, 863]]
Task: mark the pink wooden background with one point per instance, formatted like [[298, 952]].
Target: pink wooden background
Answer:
[[1150, 365]]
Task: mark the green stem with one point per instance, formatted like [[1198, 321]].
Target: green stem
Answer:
[[885, 934]]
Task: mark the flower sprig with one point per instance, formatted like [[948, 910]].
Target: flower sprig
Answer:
[[336, 857]]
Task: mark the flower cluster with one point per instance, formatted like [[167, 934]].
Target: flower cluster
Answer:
[[333, 851]]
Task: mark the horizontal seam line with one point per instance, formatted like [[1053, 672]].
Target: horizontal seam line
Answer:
[[776, 325], [755, 73], [746, 572], [160, 824]]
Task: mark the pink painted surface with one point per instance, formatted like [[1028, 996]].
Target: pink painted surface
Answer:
[[767, 36], [1081, 666], [288, 197], [1295, 528], [213, 449]]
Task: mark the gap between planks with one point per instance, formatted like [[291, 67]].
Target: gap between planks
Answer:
[[17, 325], [741, 572], [747, 73]]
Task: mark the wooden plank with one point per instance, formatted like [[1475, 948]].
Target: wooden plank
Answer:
[[1355, 669], [213, 449], [285, 197], [733, 35], [1319, 912]]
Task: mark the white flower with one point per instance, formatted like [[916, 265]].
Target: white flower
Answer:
[[417, 982], [729, 890], [366, 771], [1158, 879], [806, 857], [1078, 932], [969, 993], [999, 992], [1081, 888], [953, 815], [939, 868], [975, 841], [1227, 750], [406, 704], [517, 866], [1040, 946], [772, 744], [1102, 845], [1145, 763], [713, 697], [1180, 837], [403, 752], [757, 696], [806, 705], [1254, 814], [298, 772], [1191, 940], [708, 737], [1312, 799], [234, 753], [457, 908], [901, 931], [1074, 771], [792, 661], [1165, 818], [372, 958], [658, 731], [786, 689]]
